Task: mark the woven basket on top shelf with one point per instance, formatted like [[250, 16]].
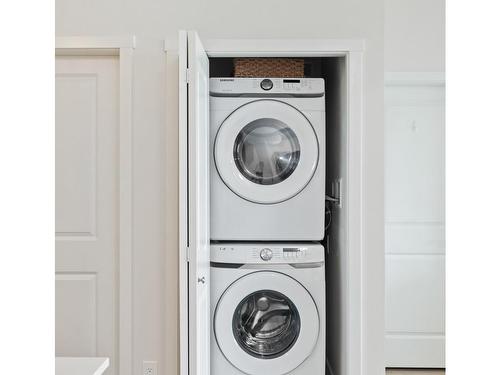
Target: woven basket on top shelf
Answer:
[[268, 67]]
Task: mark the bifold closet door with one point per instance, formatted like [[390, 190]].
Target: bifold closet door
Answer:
[[194, 216], [86, 212], [415, 227]]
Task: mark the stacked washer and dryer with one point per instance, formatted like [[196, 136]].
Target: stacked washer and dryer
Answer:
[[267, 214]]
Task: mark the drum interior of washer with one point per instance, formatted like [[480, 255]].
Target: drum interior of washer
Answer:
[[266, 324]]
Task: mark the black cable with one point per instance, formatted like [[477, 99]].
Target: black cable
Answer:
[[328, 211]]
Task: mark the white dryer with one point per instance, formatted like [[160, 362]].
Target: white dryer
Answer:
[[268, 159], [268, 309]]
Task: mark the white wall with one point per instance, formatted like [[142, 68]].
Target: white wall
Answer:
[[155, 136], [414, 35]]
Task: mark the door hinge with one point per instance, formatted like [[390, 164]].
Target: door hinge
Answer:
[[187, 78], [188, 255]]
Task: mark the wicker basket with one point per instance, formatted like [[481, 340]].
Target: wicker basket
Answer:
[[268, 67]]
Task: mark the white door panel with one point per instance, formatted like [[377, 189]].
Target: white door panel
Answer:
[[87, 116], [415, 154], [415, 238], [76, 154], [194, 74], [415, 294], [76, 314], [415, 226]]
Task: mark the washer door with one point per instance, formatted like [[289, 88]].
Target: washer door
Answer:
[[266, 151], [266, 323]]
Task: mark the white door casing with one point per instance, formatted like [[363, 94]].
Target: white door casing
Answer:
[[415, 222], [194, 211], [356, 336], [94, 198]]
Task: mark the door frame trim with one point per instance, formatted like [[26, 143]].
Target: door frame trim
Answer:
[[124, 48], [357, 337]]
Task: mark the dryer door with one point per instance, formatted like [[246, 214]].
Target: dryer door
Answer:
[[266, 323], [266, 151]]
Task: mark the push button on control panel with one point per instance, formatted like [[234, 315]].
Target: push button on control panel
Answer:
[[266, 254], [266, 84]]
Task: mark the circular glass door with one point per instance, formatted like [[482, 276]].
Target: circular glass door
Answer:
[[266, 151], [266, 322]]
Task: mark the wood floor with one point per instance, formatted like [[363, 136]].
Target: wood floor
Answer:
[[414, 372]]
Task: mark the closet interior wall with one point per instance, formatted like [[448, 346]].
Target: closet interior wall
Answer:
[[336, 249]]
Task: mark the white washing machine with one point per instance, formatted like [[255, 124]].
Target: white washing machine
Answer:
[[268, 159], [268, 309]]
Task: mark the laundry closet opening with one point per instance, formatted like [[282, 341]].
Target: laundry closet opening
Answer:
[[333, 69]]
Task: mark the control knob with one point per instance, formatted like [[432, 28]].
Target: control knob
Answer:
[[266, 254], [266, 84]]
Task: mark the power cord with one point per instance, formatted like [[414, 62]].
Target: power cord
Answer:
[[328, 211]]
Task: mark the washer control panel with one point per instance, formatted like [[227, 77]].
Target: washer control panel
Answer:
[[266, 253], [299, 87]]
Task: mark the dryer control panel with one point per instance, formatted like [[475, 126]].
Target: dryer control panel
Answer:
[[274, 87], [275, 253]]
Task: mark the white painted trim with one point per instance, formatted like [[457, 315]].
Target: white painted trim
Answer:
[[183, 216], [90, 42], [282, 47], [415, 78], [275, 47], [354, 52], [126, 213], [356, 313], [124, 49]]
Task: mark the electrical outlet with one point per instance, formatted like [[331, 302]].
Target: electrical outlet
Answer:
[[149, 367]]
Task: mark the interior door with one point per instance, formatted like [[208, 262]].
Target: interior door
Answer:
[[86, 184], [195, 199], [415, 225]]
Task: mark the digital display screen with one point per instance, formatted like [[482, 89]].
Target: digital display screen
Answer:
[[290, 249], [291, 81]]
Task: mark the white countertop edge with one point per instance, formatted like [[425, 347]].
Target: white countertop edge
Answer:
[[81, 365]]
